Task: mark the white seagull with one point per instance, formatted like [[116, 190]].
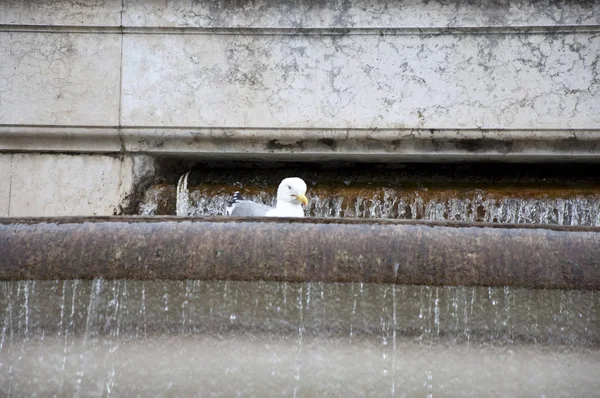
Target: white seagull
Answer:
[[291, 195]]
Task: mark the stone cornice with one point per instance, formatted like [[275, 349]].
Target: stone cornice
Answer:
[[402, 144]]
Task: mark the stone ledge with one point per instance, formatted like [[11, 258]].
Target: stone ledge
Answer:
[[59, 139], [313, 30], [385, 145], [236, 248]]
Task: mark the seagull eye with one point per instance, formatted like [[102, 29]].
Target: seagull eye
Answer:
[[290, 187]]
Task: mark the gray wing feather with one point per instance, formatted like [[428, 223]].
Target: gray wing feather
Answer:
[[249, 209]]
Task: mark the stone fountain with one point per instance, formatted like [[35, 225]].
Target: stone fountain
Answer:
[[451, 152]]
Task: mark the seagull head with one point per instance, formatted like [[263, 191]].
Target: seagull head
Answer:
[[292, 190]]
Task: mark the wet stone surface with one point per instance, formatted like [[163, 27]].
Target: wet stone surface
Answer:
[[301, 250]]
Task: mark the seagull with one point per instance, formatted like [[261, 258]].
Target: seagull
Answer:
[[291, 195]]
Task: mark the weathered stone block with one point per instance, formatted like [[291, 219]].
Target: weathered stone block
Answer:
[[357, 13], [268, 80], [65, 185], [59, 78], [4, 183], [61, 12]]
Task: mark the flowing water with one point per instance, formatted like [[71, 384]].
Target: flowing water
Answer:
[[559, 202], [222, 338], [476, 205], [173, 338]]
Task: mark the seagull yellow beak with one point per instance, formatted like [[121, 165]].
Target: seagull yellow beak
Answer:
[[302, 199]]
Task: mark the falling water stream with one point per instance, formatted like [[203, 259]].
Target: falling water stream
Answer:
[[520, 201], [224, 338], [173, 338], [477, 205]]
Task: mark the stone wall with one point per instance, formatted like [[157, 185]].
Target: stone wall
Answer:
[[406, 80], [66, 185]]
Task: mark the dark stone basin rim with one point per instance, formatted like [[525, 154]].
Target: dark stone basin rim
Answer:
[[283, 220], [301, 250]]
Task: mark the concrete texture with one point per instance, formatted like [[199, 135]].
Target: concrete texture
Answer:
[[55, 185], [58, 79], [362, 81]]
